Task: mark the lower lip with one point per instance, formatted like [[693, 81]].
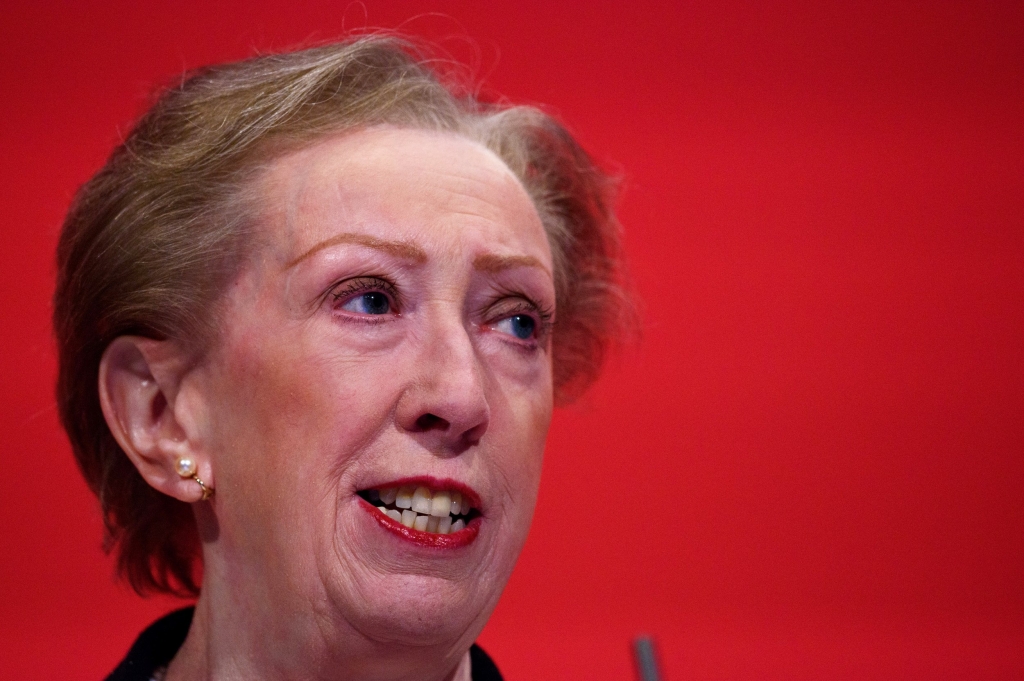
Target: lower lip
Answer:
[[454, 540]]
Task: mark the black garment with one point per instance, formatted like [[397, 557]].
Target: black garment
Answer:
[[159, 643]]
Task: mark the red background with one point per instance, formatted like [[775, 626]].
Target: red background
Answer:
[[811, 467]]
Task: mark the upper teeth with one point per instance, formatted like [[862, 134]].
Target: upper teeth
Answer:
[[422, 509], [422, 500]]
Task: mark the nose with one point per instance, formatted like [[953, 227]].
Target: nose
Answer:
[[445, 404]]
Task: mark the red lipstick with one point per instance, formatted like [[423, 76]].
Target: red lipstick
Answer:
[[470, 515], [438, 541]]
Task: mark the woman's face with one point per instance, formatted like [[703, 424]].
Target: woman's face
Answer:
[[391, 331]]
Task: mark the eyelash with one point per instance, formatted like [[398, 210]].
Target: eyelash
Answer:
[[345, 290], [524, 306]]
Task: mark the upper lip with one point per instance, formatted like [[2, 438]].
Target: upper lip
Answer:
[[434, 484]]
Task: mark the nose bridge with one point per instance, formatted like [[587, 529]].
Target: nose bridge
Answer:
[[449, 357], [448, 397]]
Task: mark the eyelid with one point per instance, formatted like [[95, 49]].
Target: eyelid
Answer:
[[520, 304], [352, 286]]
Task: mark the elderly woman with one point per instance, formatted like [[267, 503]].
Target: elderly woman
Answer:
[[313, 316]]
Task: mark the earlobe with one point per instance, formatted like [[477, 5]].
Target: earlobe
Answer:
[[138, 384]]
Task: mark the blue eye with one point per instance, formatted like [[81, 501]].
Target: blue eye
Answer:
[[521, 326], [372, 302]]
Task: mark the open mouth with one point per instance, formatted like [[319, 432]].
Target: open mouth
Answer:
[[436, 511]]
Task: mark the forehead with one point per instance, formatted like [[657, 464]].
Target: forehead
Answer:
[[437, 190]]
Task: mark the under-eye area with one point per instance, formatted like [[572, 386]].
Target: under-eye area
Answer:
[[421, 508]]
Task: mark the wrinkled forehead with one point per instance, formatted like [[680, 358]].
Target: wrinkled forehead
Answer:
[[402, 184]]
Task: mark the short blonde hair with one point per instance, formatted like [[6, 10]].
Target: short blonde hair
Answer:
[[152, 239]]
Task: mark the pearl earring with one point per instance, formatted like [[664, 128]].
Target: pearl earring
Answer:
[[186, 467]]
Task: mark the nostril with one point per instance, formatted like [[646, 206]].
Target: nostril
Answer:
[[431, 422]]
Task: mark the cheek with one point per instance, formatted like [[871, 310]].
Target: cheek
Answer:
[[522, 419], [525, 375], [288, 422]]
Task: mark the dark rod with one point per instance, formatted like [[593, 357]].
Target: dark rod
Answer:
[[646, 661]]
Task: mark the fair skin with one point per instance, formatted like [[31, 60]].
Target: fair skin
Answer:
[[392, 322]]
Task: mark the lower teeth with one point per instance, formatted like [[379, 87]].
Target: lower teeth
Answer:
[[424, 523]]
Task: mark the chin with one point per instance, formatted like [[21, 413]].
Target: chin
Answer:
[[401, 586], [419, 610]]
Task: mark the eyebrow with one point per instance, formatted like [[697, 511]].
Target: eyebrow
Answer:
[[401, 249], [491, 263]]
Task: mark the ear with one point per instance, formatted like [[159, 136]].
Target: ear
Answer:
[[139, 381]]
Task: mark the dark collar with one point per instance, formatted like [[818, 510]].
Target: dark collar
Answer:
[[158, 644]]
